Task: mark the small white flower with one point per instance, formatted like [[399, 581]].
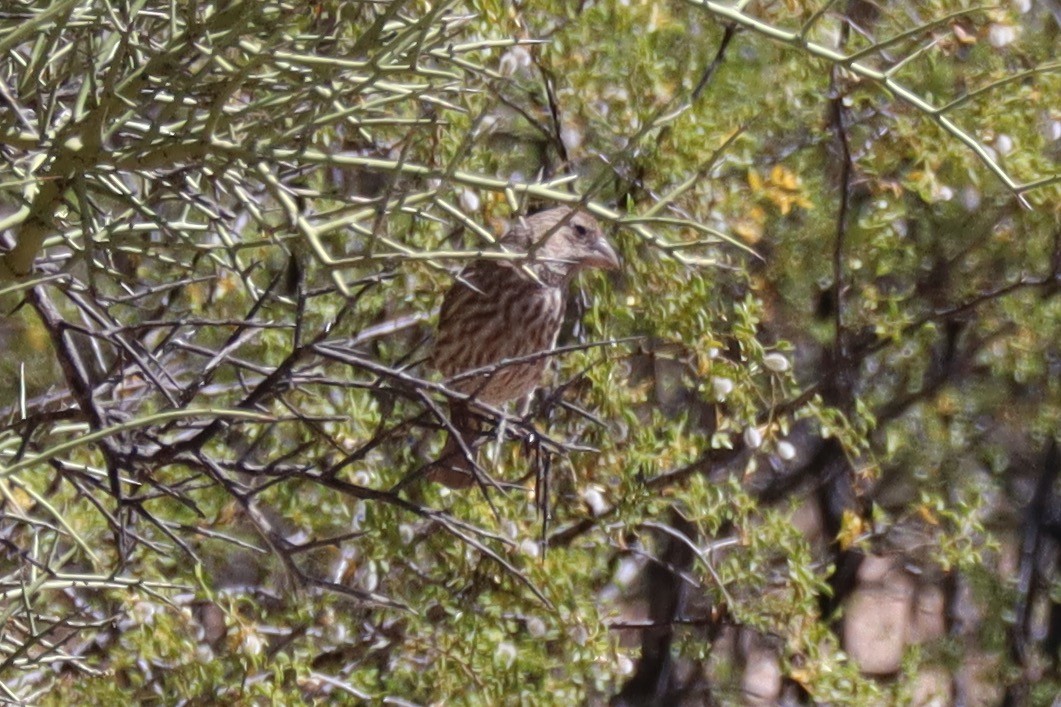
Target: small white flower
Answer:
[[339, 634], [778, 363], [944, 193], [530, 548], [571, 137], [536, 627], [339, 568], [368, 576], [1004, 144], [625, 665], [786, 450], [506, 654], [143, 612], [999, 35], [971, 198], [487, 125], [252, 643], [595, 500], [469, 201], [1052, 130], [752, 437], [513, 60], [721, 387]]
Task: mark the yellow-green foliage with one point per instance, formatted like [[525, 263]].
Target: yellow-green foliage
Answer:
[[201, 148]]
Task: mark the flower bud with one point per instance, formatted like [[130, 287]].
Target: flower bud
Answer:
[[776, 362]]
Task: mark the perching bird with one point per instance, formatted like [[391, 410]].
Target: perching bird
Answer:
[[499, 310]]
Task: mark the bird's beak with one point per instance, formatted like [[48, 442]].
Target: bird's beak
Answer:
[[602, 256]]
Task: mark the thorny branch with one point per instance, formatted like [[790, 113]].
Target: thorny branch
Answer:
[[154, 228]]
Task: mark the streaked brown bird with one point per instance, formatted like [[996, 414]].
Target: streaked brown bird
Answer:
[[500, 309]]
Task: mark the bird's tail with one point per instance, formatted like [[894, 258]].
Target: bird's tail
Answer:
[[453, 468]]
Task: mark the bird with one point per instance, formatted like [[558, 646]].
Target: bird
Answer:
[[499, 309]]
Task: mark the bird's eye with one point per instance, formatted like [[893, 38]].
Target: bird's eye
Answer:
[[581, 230]]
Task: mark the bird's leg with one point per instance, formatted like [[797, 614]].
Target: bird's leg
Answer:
[[524, 407], [499, 437], [522, 411], [470, 428]]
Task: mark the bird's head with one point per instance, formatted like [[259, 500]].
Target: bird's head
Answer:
[[561, 242]]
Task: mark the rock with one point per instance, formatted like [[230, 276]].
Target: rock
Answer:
[[877, 615]]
